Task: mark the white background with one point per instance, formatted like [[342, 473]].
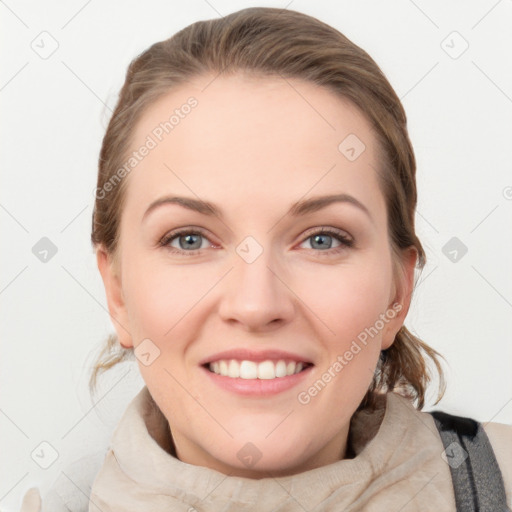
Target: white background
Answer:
[[54, 113]]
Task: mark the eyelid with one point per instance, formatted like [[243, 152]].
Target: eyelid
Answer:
[[345, 239], [181, 231], [318, 230]]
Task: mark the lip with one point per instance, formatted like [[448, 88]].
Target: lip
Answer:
[[257, 387], [243, 354]]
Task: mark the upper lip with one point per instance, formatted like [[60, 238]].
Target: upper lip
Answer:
[[243, 354]]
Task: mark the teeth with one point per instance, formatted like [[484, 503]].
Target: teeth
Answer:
[[233, 369], [290, 368], [266, 370], [248, 370], [281, 369]]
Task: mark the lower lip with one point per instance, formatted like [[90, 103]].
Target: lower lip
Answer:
[[258, 387]]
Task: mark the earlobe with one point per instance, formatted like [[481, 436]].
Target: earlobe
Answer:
[[115, 300]]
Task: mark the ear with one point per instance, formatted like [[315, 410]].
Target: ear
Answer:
[[401, 296], [110, 273]]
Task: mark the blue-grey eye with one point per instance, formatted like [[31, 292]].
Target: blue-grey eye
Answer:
[[190, 241], [321, 241]]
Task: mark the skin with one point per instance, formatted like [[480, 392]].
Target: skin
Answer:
[[253, 146]]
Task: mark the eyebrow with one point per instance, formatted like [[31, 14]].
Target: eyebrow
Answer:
[[297, 209]]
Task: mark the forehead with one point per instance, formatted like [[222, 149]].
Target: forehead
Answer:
[[252, 139]]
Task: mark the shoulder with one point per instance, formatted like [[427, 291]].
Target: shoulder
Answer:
[[70, 491], [479, 438], [500, 437]]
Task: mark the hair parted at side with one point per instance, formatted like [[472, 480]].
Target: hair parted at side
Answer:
[[284, 44]]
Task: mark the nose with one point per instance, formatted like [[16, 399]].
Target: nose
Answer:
[[256, 294]]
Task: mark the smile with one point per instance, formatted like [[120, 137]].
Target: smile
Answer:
[[257, 373], [264, 370]]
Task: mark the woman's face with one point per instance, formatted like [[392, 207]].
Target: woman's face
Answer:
[[256, 335]]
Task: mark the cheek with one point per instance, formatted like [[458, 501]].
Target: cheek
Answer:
[[348, 301], [349, 297], [161, 299], [163, 302]]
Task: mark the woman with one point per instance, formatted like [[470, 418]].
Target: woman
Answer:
[[254, 230]]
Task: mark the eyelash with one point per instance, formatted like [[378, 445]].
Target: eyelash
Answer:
[[345, 241]]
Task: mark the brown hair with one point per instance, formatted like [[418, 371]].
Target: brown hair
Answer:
[[288, 44]]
